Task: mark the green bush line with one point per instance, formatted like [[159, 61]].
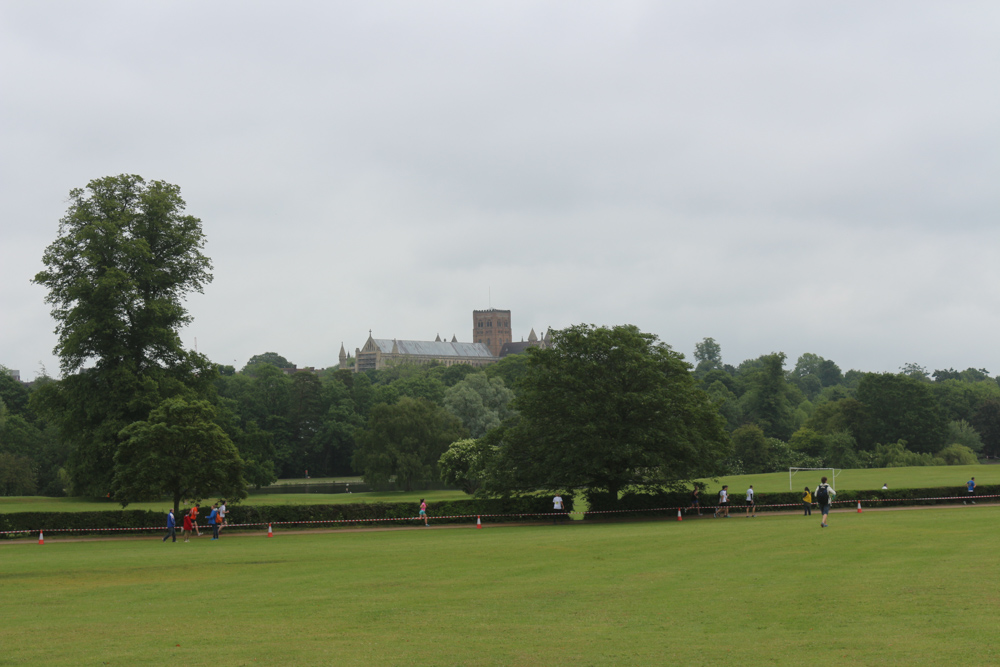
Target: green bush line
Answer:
[[518, 509], [639, 504]]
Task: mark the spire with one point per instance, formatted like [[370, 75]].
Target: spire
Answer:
[[343, 355], [437, 339], [532, 338], [395, 348], [454, 338]]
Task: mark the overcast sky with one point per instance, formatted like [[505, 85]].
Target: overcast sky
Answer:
[[780, 176]]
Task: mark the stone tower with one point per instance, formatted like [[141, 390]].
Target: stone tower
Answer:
[[491, 328]]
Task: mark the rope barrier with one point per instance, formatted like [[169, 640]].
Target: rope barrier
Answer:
[[264, 524]]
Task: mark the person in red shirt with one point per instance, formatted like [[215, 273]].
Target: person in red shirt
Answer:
[[194, 520], [187, 527]]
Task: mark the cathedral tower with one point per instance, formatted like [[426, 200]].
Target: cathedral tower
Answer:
[[491, 328]]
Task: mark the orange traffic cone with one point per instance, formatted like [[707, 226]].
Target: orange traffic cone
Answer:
[[269, 533], [679, 517], [479, 523], [41, 538], [859, 507]]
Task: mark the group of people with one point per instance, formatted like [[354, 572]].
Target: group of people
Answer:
[[216, 519], [823, 497], [722, 509]]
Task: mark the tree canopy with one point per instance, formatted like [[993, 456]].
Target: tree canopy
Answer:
[[118, 272], [125, 258], [608, 409], [405, 441], [178, 452]]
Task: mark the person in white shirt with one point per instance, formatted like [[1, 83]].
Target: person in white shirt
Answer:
[[557, 506], [222, 515], [750, 503], [723, 507]]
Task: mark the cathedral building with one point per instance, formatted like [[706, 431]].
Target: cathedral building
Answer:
[[491, 331]]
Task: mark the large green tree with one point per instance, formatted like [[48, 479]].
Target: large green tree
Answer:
[[125, 258], [179, 452], [607, 409]]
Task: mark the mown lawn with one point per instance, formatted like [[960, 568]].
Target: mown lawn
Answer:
[[911, 587], [896, 478]]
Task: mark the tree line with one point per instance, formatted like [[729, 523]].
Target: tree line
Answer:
[[605, 409]]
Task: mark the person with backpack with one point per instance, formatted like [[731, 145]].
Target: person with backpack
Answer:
[[824, 496], [807, 503]]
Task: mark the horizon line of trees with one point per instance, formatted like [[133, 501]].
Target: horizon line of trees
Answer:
[[338, 423], [135, 416]]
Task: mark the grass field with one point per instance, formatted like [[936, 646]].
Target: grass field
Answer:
[[913, 587], [896, 478]]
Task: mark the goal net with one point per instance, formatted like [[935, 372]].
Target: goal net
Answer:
[[831, 478]]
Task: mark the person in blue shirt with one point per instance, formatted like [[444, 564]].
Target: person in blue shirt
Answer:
[[971, 485], [213, 521], [171, 527]]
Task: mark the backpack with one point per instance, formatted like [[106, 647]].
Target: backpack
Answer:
[[822, 495]]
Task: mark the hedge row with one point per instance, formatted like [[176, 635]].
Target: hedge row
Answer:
[[520, 509], [639, 504]]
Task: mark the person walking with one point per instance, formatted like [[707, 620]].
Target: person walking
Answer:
[[213, 521], [423, 512], [695, 501], [186, 530], [171, 527], [751, 505], [222, 515], [971, 485], [723, 507], [824, 496], [807, 503], [557, 506]]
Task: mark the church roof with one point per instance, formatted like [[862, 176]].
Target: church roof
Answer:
[[432, 348], [516, 348]]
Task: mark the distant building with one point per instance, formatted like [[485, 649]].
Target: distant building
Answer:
[[533, 341], [15, 374], [491, 331], [378, 353]]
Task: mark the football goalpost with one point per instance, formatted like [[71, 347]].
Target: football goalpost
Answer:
[[831, 478]]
